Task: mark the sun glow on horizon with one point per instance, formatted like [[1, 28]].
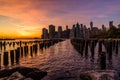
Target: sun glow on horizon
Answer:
[[26, 18]]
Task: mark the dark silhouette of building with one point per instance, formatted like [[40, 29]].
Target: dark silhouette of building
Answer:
[[44, 33], [59, 31], [111, 24], [51, 31], [103, 28], [67, 32], [91, 25]]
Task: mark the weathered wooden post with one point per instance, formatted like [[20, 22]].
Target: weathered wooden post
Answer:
[[4, 45], [82, 46], [21, 48], [5, 59], [116, 47], [12, 57], [31, 51], [26, 50], [100, 47], [92, 49], [86, 48], [1, 45], [17, 56], [110, 49], [36, 48], [103, 60], [0, 60]]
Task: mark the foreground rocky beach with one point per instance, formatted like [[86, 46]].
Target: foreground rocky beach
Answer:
[[26, 73], [22, 73]]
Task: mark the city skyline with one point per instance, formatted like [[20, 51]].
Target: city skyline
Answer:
[[27, 18]]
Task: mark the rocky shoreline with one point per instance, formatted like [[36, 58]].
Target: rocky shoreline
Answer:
[[26, 73], [22, 73], [100, 75]]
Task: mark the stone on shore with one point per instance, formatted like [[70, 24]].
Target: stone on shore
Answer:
[[16, 75], [22, 72], [100, 75]]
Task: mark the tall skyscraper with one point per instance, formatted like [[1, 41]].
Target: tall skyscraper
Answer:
[[67, 32], [51, 31], [44, 33], [59, 31], [77, 30], [91, 25]]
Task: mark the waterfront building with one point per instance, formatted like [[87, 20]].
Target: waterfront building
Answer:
[[51, 31], [59, 31], [44, 33]]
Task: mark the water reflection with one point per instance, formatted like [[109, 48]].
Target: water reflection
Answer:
[[100, 51], [12, 51]]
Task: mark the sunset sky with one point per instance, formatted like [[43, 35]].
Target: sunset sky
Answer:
[[26, 18]]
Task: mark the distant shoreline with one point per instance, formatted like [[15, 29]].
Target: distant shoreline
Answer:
[[16, 38]]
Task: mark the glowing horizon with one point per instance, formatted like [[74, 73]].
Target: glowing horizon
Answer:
[[26, 18]]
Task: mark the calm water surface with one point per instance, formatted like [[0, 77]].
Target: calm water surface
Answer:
[[63, 62]]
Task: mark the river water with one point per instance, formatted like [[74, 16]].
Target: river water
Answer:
[[63, 62]]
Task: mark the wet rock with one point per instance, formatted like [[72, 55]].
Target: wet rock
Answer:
[[25, 71], [16, 76], [86, 76], [36, 75], [33, 73], [106, 77], [28, 79], [5, 73], [4, 78], [100, 75]]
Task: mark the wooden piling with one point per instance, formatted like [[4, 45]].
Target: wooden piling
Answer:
[[86, 48], [5, 59], [103, 60], [116, 47], [12, 57]]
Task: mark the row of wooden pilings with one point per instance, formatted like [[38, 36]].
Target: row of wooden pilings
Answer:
[[82, 46], [12, 57]]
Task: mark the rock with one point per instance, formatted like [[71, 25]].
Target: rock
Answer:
[[85, 76], [25, 71], [5, 73], [28, 79], [100, 75], [106, 77], [4, 78], [36, 75], [16, 76]]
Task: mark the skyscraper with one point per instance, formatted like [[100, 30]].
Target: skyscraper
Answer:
[[67, 32], [59, 31], [44, 33], [51, 31], [91, 25], [77, 30]]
